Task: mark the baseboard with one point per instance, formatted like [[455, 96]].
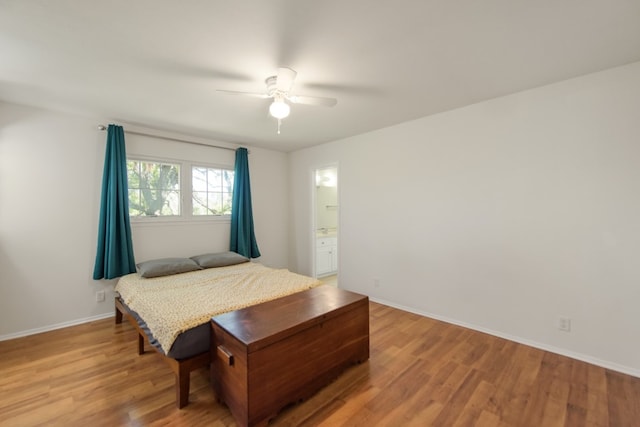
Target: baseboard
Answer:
[[578, 356], [54, 327]]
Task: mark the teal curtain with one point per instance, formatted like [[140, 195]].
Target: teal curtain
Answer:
[[114, 257], [243, 239]]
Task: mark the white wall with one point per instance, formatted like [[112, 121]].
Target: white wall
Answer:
[[501, 216], [50, 176]]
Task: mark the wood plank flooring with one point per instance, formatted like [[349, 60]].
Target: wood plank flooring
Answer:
[[422, 372]]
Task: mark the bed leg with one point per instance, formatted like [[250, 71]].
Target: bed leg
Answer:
[[140, 344], [182, 388], [118, 316]]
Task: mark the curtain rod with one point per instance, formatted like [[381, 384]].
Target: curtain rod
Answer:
[[103, 128]]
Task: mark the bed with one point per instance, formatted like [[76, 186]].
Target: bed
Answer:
[[170, 302]]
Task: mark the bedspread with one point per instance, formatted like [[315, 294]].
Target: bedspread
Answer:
[[173, 304]]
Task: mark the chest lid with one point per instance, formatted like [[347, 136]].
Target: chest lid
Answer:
[[263, 324]]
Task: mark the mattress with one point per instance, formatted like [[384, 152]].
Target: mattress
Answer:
[[175, 310]]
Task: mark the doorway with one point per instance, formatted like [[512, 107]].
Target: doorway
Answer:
[[326, 227]]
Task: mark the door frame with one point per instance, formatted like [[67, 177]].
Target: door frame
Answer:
[[314, 214]]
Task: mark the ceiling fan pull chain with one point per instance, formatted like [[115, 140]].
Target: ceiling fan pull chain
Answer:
[[279, 122]]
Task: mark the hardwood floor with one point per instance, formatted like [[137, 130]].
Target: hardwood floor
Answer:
[[330, 280], [421, 372]]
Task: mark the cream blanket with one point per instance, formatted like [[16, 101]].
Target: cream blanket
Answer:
[[172, 304]]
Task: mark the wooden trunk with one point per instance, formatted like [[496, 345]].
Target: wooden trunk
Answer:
[[272, 354]]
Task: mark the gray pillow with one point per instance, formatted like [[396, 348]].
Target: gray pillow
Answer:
[[221, 259], [166, 267]]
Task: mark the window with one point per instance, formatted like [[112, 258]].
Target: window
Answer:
[[211, 191], [164, 189], [154, 188]]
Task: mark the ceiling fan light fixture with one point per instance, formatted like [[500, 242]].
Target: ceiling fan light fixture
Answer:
[[279, 109], [279, 89]]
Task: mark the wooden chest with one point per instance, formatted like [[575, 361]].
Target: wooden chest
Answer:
[[272, 354]]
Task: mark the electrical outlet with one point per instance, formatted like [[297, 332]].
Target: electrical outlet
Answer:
[[376, 282], [100, 296], [564, 323]]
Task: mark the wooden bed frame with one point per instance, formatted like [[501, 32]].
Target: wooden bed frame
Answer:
[[181, 368], [321, 315]]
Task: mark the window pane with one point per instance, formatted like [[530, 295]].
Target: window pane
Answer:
[[227, 181], [226, 204], [168, 177], [171, 204], [214, 178], [133, 174], [154, 188], [215, 203], [199, 179], [151, 202], [212, 189], [199, 203], [146, 175], [134, 203]]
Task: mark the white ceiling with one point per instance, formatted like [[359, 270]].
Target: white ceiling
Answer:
[[158, 63]]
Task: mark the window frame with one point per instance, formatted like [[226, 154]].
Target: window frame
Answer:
[[186, 188], [203, 165], [180, 187]]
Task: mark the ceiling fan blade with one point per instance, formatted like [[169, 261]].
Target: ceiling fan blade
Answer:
[[251, 94], [286, 77], [314, 100]]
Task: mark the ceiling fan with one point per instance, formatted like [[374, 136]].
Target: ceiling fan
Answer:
[[279, 88]]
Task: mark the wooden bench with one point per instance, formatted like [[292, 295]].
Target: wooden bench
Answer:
[[269, 355]]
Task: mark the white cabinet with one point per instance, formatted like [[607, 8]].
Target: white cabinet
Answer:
[[326, 256], [323, 260]]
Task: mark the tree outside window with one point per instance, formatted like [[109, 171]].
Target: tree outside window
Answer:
[[154, 188], [212, 190]]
